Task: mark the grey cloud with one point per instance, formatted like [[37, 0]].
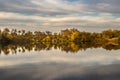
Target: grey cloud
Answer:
[[29, 8], [105, 6], [38, 11], [60, 7]]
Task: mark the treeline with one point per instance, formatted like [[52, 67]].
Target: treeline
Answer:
[[68, 35], [69, 40]]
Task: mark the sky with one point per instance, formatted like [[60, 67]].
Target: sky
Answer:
[[58, 14]]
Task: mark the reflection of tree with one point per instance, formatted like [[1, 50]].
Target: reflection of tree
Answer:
[[67, 47]]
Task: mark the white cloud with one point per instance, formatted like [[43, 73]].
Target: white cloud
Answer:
[[47, 12]]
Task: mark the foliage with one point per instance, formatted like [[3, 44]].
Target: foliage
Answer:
[[67, 40]]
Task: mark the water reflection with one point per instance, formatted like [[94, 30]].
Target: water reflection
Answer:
[[54, 64], [61, 72], [67, 47]]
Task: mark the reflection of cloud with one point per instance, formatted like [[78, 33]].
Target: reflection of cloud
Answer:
[[61, 72], [89, 57]]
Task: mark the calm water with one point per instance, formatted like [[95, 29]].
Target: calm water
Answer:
[[54, 64]]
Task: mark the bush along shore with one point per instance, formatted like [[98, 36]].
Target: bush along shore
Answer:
[[67, 40], [65, 36]]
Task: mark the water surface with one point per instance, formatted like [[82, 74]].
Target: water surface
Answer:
[[54, 64]]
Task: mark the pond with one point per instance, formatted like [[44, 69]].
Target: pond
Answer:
[[58, 64]]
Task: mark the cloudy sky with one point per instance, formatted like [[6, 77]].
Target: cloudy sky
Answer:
[[59, 14]]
